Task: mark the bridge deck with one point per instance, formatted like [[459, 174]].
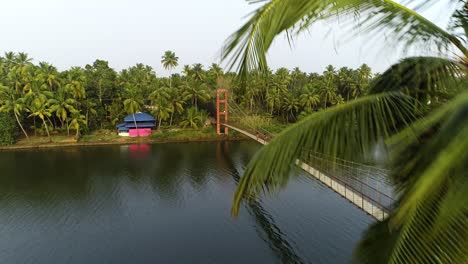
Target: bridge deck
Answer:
[[347, 191]]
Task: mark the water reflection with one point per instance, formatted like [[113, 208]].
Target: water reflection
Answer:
[[166, 203], [266, 226]]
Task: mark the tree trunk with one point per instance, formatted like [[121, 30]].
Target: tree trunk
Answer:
[[100, 91], [34, 120], [68, 129], [21, 126], [77, 135], [170, 123], [159, 126], [170, 79], [50, 121], [136, 126], [47, 129]]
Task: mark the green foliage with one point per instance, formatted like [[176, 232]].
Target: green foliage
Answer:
[[194, 118], [8, 129], [104, 96], [255, 121], [419, 107]]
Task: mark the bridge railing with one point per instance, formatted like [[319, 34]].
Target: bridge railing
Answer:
[[369, 185], [366, 180]]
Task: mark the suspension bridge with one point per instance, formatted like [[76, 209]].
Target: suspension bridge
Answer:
[[366, 187]]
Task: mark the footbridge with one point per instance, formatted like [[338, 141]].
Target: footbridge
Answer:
[[364, 186]]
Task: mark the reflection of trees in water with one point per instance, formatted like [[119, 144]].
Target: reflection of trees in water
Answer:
[[34, 175], [75, 173], [266, 227], [65, 173]]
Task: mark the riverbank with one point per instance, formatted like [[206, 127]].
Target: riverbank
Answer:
[[109, 137]]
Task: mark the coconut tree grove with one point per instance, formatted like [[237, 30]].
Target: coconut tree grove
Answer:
[[38, 99]]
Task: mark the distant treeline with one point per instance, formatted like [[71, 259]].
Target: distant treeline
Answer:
[[40, 99]]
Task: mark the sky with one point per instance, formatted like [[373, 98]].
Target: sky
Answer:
[[125, 32]]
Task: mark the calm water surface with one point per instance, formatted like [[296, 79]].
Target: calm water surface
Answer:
[[165, 203]]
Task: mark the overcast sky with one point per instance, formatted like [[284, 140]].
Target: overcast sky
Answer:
[[125, 32]]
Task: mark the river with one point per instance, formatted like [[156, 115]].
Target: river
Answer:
[[166, 203]]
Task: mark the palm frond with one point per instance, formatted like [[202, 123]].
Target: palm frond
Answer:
[[428, 79], [460, 21], [376, 245], [247, 47], [344, 131], [431, 176]]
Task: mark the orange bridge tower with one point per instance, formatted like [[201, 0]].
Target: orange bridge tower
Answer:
[[221, 110]]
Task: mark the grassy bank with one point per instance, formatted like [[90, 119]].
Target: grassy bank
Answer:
[[109, 137]]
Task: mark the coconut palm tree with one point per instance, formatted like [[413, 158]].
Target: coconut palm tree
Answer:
[[62, 106], [50, 75], [177, 104], [197, 73], [160, 99], [170, 61], [192, 118], [75, 82], [133, 102], [328, 92], [291, 105], [309, 98], [76, 121], [195, 92], [12, 102], [418, 107], [42, 111]]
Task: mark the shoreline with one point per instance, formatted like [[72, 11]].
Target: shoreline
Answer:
[[123, 141]]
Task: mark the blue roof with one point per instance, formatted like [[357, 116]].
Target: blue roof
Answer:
[[140, 125], [124, 129], [121, 125], [139, 117]]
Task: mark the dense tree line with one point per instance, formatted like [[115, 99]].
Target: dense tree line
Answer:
[[43, 100]]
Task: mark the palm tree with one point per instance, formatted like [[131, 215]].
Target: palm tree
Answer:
[[427, 145], [169, 62], [177, 104], [11, 102], [197, 73], [76, 120], [50, 75], [364, 76], [291, 105], [160, 99], [195, 92], [192, 118], [22, 58], [273, 100], [132, 103], [42, 111], [62, 106], [309, 98], [328, 92], [75, 82]]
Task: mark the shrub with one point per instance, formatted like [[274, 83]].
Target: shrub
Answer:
[[8, 129], [255, 121]]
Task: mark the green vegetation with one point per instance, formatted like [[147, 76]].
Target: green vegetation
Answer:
[[79, 101], [109, 137], [418, 108], [8, 129]]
